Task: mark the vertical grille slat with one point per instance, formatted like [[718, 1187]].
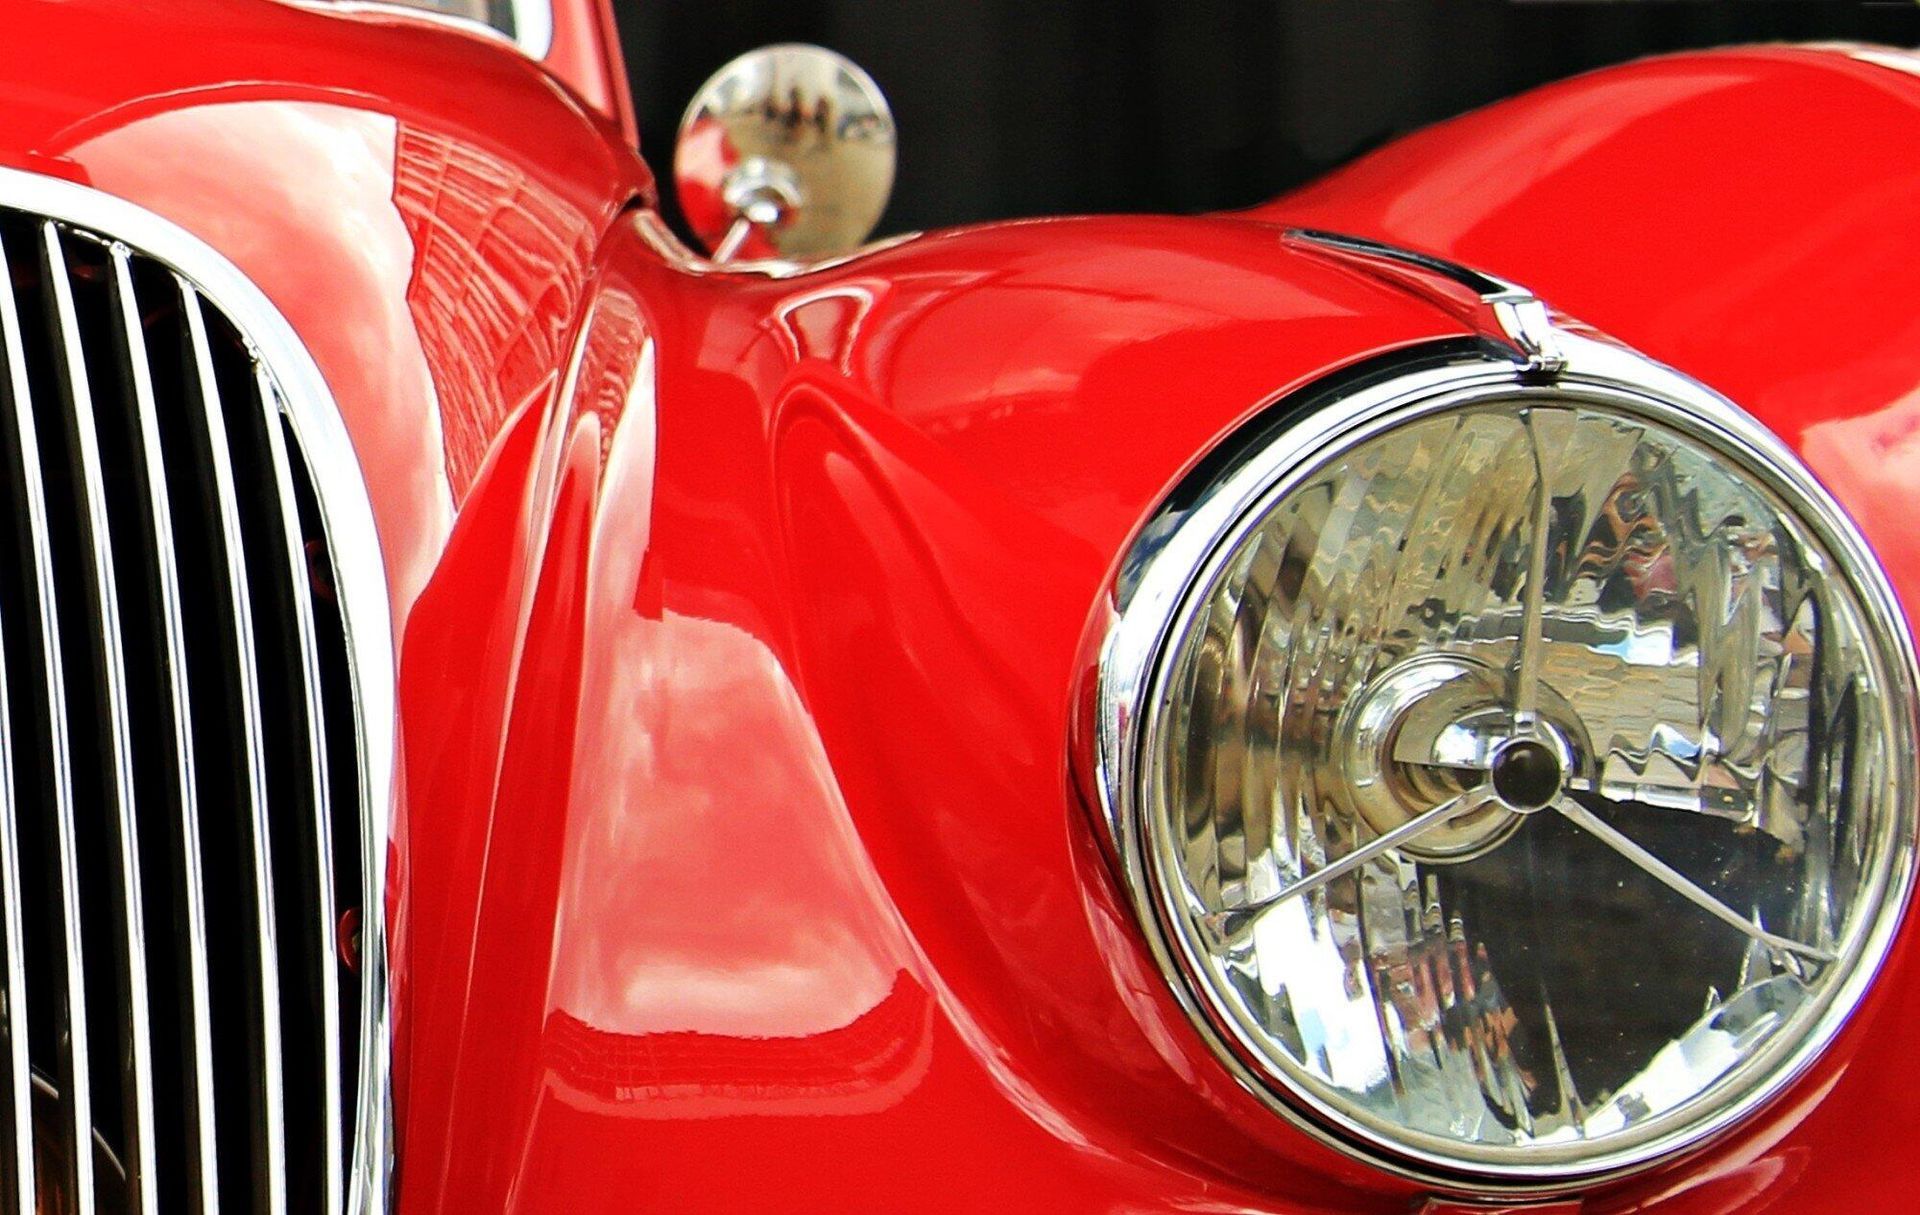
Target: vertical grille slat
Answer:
[[197, 1167], [193, 641], [352, 863], [204, 388], [67, 1164], [17, 1190], [19, 1081], [130, 986], [324, 924]]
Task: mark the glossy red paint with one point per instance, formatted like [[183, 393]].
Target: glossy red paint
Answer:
[[739, 862], [832, 925]]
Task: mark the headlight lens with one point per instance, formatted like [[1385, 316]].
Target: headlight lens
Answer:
[[1525, 833]]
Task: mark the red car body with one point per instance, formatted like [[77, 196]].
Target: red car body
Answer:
[[741, 856]]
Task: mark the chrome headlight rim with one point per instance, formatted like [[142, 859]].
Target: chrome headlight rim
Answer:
[[1179, 555]]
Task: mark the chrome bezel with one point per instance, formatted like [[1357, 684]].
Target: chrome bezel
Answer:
[[1180, 553], [346, 511]]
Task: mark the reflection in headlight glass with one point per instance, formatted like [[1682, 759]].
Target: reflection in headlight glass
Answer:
[[1566, 965]]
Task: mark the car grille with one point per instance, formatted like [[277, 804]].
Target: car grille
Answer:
[[185, 847]]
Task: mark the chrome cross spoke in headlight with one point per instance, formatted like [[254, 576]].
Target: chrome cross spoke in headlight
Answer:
[[1680, 883], [1230, 923], [1526, 667]]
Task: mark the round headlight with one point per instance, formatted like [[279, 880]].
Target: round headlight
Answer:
[[1516, 776]]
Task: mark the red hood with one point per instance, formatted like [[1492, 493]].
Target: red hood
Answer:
[[75, 68]]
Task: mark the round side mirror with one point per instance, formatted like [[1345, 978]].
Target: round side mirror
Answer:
[[787, 151]]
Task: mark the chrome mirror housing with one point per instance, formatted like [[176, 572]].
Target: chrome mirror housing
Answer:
[[787, 151]]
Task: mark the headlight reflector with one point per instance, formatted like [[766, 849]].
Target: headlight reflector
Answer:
[[1511, 833]]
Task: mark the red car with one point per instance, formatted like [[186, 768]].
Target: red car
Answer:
[[1394, 699]]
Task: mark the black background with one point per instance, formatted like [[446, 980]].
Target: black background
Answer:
[[1037, 107]]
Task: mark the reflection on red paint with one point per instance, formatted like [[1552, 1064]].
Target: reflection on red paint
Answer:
[[863, 1067], [499, 266]]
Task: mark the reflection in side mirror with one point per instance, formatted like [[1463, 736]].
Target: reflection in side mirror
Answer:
[[786, 152]]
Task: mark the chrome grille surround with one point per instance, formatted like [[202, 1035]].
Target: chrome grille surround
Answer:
[[160, 422]]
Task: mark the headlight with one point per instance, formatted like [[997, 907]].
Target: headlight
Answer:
[[1515, 775]]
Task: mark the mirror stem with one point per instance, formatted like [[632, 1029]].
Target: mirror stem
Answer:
[[735, 237], [757, 205]]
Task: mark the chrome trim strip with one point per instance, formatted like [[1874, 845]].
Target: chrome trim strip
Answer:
[[220, 456], [1179, 547], [532, 20], [533, 26], [1518, 316], [204, 1175], [329, 950], [139, 1062], [77, 1083], [1479, 282]]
